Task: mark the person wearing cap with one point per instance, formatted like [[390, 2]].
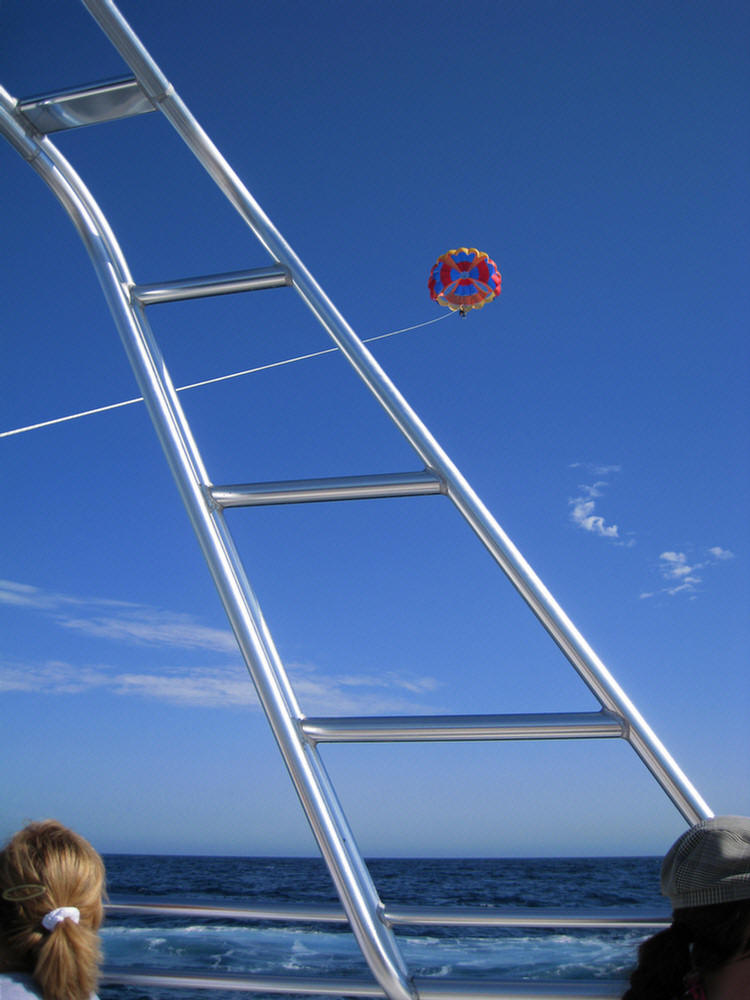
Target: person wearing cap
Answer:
[[52, 885], [704, 954]]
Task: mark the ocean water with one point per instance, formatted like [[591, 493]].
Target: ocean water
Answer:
[[269, 947]]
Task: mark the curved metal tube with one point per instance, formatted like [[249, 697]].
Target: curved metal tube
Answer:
[[330, 827]]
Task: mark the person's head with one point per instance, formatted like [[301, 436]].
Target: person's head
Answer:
[[706, 877], [52, 883]]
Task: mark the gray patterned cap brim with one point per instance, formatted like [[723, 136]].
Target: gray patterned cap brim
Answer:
[[709, 864]]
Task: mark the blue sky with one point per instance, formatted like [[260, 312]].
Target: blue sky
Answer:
[[599, 153]]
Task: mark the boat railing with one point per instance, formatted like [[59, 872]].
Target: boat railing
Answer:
[[395, 916]]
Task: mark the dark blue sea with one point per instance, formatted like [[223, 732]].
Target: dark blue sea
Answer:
[[271, 948]]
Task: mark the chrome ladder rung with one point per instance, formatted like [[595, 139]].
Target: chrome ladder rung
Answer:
[[450, 728], [90, 105], [389, 484], [274, 276]]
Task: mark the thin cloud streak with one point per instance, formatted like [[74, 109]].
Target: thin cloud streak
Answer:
[[154, 628], [124, 621], [216, 686], [582, 512], [227, 686], [25, 595], [582, 509], [683, 577], [680, 574], [596, 470]]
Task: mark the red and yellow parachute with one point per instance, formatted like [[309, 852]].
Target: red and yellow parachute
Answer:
[[464, 279]]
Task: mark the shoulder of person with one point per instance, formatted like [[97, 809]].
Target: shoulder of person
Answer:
[[18, 986], [21, 986]]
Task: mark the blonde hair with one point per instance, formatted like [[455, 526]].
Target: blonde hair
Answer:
[[45, 866]]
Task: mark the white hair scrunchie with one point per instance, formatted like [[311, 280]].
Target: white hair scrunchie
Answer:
[[54, 917]]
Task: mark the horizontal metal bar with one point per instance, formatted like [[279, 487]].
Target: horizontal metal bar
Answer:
[[391, 484], [479, 916], [429, 916], [254, 984], [426, 989], [418, 728], [307, 913], [273, 276], [101, 102], [465, 989]]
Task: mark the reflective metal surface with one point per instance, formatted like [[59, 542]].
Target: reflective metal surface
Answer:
[[394, 484], [419, 728], [212, 284], [427, 916], [145, 978], [444, 989], [457, 989], [289, 912], [102, 102]]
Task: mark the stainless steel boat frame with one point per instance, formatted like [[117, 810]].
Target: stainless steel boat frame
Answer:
[[27, 125]]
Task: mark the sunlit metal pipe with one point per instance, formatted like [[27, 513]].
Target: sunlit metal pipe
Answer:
[[436, 989], [395, 915], [420, 728], [393, 484], [212, 284], [104, 102]]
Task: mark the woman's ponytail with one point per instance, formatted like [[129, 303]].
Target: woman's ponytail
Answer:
[[67, 962], [51, 889]]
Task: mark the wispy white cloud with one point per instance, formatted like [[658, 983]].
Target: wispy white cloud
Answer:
[[217, 685], [583, 508], [51, 677], [679, 572], [720, 554], [674, 565], [207, 687], [389, 679], [224, 686], [147, 626], [25, 595], [121, 621], [596, 470], [582, 512], [683, 576], [347, 694]]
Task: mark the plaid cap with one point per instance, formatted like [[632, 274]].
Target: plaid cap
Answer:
[[709, 864]]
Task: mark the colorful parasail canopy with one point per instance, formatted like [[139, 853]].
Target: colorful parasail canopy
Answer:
[[464, 279]]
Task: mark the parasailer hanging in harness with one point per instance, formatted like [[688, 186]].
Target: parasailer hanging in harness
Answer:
[[464, 279]]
